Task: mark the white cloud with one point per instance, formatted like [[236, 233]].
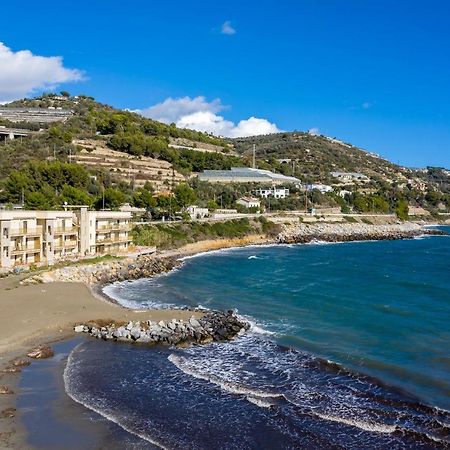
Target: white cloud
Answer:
[[314, 131], [227, 28], [23, 73], [254, 126], [199, 114], [171, 109]]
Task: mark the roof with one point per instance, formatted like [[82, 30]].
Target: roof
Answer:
[[248, 172], [250, 199], [348, 174]]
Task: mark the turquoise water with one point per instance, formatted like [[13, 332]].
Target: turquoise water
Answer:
[[379, 308]]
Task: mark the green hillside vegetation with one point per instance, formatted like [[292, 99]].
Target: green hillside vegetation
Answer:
[[175, 235], [38, 170]]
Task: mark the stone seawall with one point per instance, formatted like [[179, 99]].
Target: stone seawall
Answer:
[[109, 272], [212, 326], [303, 233]]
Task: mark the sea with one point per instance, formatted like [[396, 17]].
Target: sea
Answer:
[[349, 349]]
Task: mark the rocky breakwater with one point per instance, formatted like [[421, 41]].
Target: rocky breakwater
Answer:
[[212, 326], [108, 272], [345, 232]]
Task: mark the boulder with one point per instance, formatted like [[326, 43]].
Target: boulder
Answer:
[[194, 322], [8, 413], [41, 352], [4, 390], [78, 328], [135, 333], [21, 362]]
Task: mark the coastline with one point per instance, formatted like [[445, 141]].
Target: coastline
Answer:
[[44, 312]]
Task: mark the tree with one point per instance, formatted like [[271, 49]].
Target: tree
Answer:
[[142, 198], [184, 195], [37, 200], [212, 205], [111, 199], [402, 209], [75, 196]]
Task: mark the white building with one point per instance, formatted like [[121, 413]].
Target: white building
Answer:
[[44, 237], [249, 202], [34, 237], [246, 175], [103, 231], [195, 212], [272, 192], [349, 176], [323, 188]]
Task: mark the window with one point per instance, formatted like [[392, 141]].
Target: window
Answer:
[[5, 232]]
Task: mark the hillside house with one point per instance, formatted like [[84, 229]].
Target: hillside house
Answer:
[[249, 202], [195, 212], [272, 192]]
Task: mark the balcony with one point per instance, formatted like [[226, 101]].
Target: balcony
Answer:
[[67, 231], [113, 241], [31, 251], [30, 232], [66, 244], [113, 227]]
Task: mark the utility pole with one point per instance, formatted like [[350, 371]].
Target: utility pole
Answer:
[[306, 198], [254, 156]]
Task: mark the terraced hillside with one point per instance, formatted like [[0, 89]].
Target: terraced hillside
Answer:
[[136, 171]]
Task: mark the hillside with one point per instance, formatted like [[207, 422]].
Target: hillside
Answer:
[[79, 150], [316, 157]]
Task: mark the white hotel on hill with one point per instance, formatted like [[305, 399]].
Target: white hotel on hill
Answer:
[[44, 237]]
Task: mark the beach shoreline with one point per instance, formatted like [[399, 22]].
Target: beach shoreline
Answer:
[[43, 312]]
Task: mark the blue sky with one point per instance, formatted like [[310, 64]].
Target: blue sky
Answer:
[[373, 73]]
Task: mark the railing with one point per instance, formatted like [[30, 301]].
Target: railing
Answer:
[[113, 241], [26, 232], [115, 227], [66, 244], [70, 230]]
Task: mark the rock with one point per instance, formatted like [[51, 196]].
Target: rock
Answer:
[[21, 363], [5, 390], [11, 370], [194, 322], [117, 333], [135, 333], [129, 326], [78, 328], [41, 352], [8, 413]]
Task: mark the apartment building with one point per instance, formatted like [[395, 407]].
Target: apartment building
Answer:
[[103, 231], [33, 237], [44, 237]]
